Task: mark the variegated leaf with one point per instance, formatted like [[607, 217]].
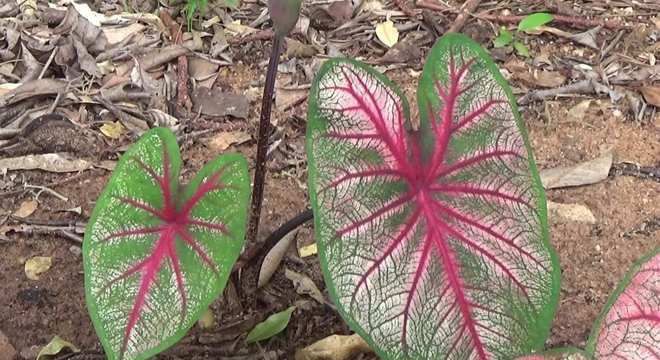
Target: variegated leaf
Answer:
[[157, 254], [433, 243], [629, 327]]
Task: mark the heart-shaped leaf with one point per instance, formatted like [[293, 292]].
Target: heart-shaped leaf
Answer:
[[157, 254], [629, 327], [433, 243]]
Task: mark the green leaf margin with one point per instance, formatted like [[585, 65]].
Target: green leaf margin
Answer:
[[623, 284], [169, 142]]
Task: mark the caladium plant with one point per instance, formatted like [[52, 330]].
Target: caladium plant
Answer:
[[156, 253], [629, 326], [433, 238]]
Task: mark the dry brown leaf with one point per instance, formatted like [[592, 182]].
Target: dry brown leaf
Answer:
[[217, 103], [651, 95], [290, 96], [274, 258], [570, 212], [334, 347], [26, 209], [54, 162], [201, 69], [37, 265], [224, 140], [548, 79], [113, 130], [116, 35], [296, 49], [31, 89], [577, 112], [304, 285], [588, 172]]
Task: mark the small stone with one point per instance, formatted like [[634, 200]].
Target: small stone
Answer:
[[75, 250], [7, 351]]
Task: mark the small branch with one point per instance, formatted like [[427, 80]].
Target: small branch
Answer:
[[260, 35], [580, 87], [465, 12], [262, 142], [182, 69], [401, 4], [630, 169], [574, 21], [48, 190]]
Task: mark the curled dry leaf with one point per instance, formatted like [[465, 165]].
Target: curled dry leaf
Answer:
[[334, 347], [37, 265], [55, 162], [26, 209], [274, 258], [31, 89], [387, 33], [651, 95], [570, 212], [221, 141], [304, 285], [54, 347], [588, 172]]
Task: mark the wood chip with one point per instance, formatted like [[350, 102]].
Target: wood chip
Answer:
[[589, 172]]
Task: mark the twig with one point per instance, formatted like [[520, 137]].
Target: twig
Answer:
[[47, 64], [638, 171], [51, 184], [65, 231], [465, 12], [48, 190], [257, 249], [182, 73], [260, 35], [580, 87], [574, 21], [401, 4]]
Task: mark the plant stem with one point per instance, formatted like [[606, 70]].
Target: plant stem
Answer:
[[262, 142]]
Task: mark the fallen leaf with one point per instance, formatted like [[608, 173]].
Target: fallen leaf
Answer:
[[31, 89], [274, 258], [548, 79], [113, 130], [37, 265], [308, 250], [26, 209], [341, 11], [221, 141], [570, 212], [54, 347], [387, 33], [296, 49], [217, 103], [270, 327], [585, 173], [238, 29], [402, 52], [304, 285], [651, 95], [290, 96], [54, 162], [334, 347], [116, 35], [201, 69], [207, 320], [577, 112]]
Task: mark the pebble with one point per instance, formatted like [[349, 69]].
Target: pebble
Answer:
[[75, 250], [7, 351]]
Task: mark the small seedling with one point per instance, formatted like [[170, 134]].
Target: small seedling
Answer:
[[531, 22], [156, 254], [629, 326], [433, 239]]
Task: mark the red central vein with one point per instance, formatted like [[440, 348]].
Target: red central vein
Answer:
[[174, 224], [452, 270]]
